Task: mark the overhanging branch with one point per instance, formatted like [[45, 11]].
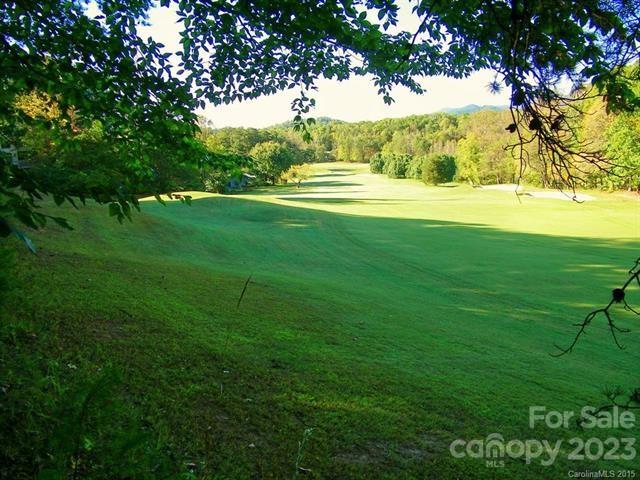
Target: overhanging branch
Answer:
[[617, 297]]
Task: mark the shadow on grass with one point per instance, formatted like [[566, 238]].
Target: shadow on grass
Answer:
[[349, 171], [522, 291], [550, 280], [497, 260], [331, 183], [358, 200], [381, 319], [305, 187]]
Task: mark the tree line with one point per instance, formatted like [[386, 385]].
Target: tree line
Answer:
[[80, 154], [471, 147], [480, 145], [439, 147]]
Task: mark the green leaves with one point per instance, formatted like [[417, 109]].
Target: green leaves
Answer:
[[114, 210], [270, 159], [160, 199], [120, 210], [105, 123]]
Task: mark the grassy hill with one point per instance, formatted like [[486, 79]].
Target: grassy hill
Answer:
[[389, 317]]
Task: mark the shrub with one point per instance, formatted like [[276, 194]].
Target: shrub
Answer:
[[296, 174], [414, 168], [215, 181], [376, 163], [217, 169], [438, 168], [270, 160], [396, 166]]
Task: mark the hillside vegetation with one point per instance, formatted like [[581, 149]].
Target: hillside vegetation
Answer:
[[479, 142], [476, 145]]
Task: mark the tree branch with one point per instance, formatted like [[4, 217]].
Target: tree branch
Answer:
[[617, 297]]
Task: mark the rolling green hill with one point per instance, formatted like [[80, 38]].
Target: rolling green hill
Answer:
[[473, 108], [389, 317]]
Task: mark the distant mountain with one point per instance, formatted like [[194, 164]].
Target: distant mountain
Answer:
[[473, 108], [319, 120], [454, 111]]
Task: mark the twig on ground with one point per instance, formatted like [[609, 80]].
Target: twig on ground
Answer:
[[244, 289]]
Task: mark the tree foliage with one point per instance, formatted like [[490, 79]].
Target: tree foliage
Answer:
[[376, 163], [270, 160], [623, 147], [89, 109], [297, 174], [395, 165], [438, 168]]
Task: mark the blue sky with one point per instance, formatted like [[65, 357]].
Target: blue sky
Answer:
[[352, 100]]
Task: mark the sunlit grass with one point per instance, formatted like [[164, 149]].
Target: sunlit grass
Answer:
[[388, 316]]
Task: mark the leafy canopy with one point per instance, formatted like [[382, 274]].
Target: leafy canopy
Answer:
[[270, 159]]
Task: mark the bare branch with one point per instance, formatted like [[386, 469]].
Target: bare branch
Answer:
[[632, 403], [617, 296]]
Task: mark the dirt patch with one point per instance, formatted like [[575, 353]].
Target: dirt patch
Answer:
[[426, 446]]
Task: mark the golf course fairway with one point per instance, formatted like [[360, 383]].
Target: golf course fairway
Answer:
[[379, 320]]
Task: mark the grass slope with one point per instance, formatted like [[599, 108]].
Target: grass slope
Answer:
[[388, 316]]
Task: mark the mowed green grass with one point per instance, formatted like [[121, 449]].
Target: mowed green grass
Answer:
[[390, 317]]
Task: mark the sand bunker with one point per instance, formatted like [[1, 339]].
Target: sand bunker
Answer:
[[553, 194]]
